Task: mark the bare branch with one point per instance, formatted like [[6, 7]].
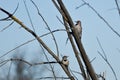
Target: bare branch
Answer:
[[7, 18], [105, 59], [101, 76], [39, 40], [92, 60], [81, 5], [101, 48], [30, 41], [47, 27], [24, 61], [118, 8], [109, 65], [75, 50], [53, 78], [78, 41], [3, 62], [30, 31], [52, 69], [102, 18], [29, 15], [7, 26]]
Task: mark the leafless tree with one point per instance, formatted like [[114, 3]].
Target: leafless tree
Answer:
[[85, 67]]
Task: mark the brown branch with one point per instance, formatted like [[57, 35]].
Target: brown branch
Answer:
[[7, 18], [39, 40], [30, 41], [75, 51], [30, 31], [78, 42]]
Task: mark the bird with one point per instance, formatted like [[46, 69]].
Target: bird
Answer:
[[78, 28], [65, 61]]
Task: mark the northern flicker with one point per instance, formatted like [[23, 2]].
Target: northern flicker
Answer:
[[65, 61], [78, 28]]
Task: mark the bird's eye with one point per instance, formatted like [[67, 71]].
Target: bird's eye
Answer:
[[65, 60]]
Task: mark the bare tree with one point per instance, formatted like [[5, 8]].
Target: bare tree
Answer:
[[74, 34]]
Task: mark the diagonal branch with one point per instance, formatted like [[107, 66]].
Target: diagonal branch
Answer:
[[30, 41], [29, 15], [7, 26], [78, 42], [75, 51], [7, 18], [38, 39], [105, 59], [105, 21], [118, 8], [47, 27]]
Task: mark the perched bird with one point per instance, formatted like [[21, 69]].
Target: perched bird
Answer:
[[65, 61], [78, 28]]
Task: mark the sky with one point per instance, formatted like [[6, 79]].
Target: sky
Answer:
[[93, 27]]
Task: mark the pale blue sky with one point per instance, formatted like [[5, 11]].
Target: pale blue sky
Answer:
[[92, 25]]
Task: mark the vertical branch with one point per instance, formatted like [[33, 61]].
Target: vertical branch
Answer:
[[75, 51], [79, 43], [72, 42]]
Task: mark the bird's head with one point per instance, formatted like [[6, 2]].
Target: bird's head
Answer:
[[65, 57], [78, 22]]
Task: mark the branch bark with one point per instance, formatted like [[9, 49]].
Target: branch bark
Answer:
[[78, 42], [39, 40]]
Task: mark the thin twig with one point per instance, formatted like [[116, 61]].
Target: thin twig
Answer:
[[48, 62], [101, 48], [109, 65], [29, 15], [7, 18], [105, 21], [48, 27], [7, 26], [38, 39], [84, 56], [118, 8], [59, 9], [52, 78], [106, 60], [30, 41], [24, 61], [3, 62]]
